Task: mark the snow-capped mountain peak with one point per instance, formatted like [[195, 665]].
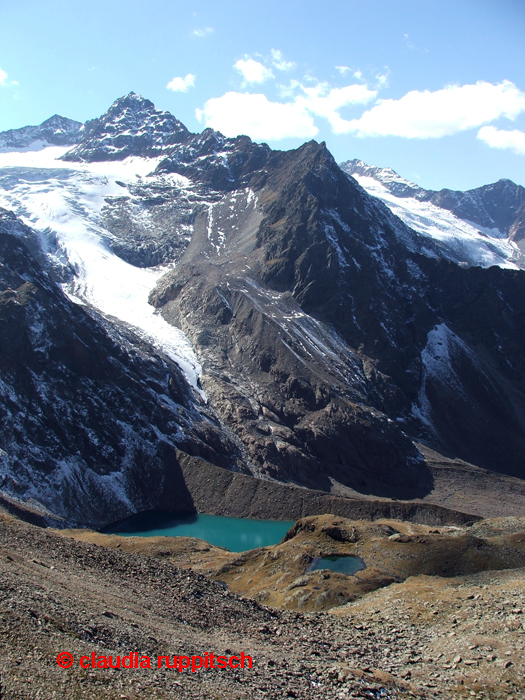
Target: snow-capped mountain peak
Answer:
[[132, 126], [395, 184]]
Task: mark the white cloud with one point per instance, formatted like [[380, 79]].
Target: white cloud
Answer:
[[416, 115], [382, 78], [409, 45], [279, 62], [181, 84], [204, 31], [444, 112], [252, 71], [499, 138], [326, 102], [254, 115], [3, 77]]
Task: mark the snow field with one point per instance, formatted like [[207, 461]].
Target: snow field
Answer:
[[462, 241]]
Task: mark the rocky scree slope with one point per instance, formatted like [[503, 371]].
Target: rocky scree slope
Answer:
[[327, 338], [398, 642], [60, 595], [92, 416]]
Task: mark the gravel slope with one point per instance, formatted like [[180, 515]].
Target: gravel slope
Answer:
[[58, 594]]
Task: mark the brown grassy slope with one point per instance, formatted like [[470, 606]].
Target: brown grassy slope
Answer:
[[392, 551]]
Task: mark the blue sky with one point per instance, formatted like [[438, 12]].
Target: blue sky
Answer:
[[434, 89]]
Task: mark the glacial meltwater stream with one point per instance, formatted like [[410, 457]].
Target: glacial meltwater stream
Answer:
[[236, 534]]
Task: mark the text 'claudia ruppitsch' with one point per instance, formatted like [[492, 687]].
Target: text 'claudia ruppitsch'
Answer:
[[178, 662]]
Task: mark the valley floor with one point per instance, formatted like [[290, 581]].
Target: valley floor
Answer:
[[462, 487]]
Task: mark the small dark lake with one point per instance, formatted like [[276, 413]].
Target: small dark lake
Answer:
[[343, 565], [236, 534]]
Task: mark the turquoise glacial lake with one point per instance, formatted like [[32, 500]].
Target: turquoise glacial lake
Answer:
[[236, 534]]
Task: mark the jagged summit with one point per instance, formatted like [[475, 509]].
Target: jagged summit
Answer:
[[55, 131], [133, 109], [214, 160], [132, 126]]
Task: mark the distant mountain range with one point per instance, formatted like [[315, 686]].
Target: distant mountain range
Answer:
[[166, 293], [498, 206], [484, 226]]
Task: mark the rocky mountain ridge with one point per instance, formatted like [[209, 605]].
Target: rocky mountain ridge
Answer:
[[321, 256], [131, 127], [55, 131]]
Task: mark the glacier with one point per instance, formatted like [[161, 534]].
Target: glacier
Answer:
[[62, 202]]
